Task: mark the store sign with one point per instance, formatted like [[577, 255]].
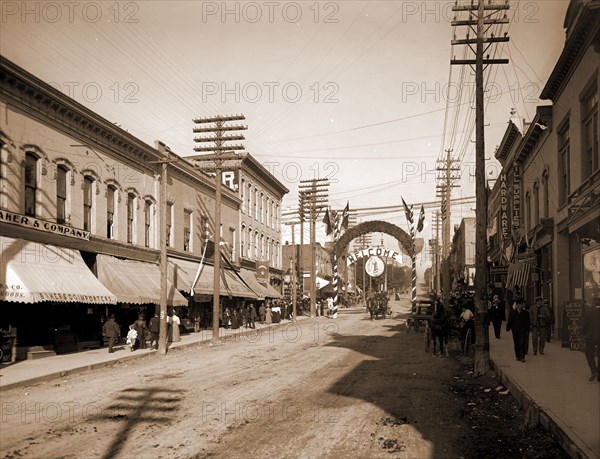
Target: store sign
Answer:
[[262, 271], [374, 266], [503, 207], [42, 225], [516, 210], [373, 251]]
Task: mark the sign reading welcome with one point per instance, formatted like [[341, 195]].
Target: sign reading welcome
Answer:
[[373, 252]]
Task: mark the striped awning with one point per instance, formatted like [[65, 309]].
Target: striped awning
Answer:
[[262, 290], [135, 282], [32, 272], [518, 274], [183, 272]]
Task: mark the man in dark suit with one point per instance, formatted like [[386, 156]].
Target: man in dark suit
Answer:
[[112, 331], [154, 327]]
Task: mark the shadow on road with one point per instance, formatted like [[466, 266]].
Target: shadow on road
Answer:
[[409, 384], [156, 405]]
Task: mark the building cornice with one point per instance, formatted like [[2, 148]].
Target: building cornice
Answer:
[[41, 101], [583, 31]]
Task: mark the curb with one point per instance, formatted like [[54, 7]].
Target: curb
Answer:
[[536, 415], [179, 348]]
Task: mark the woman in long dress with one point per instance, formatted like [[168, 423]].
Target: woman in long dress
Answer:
[[175, 322], [268, 315]]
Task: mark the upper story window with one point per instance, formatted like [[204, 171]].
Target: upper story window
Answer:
[[169, 224], [61, 194], [564, 157], [31, 184], [205, 228], [249, 199], [262, 207], [88, 185], [110, 211], [187, 234], [130, 218], [243, 241], [148, 206], [536, 204], [254, 200], [590, 158], [243, 194]]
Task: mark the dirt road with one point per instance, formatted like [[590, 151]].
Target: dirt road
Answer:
[[344, 388]]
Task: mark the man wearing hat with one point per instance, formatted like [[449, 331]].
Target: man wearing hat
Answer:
[[496, 315], [540, 318]]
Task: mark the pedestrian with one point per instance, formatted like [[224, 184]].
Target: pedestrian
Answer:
[[262, 312], [551, 322], [467, 317], [590, 328], [518, 322], [154, 330], [140, 327], [497, 315], [175, 330], [540, 316], [252, 315], [268, 315], [112, 331], [132, 336]]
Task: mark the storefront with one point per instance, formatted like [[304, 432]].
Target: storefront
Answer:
[[48, 292]]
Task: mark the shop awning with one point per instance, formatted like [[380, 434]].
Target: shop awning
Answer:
[[518, 274], [262, 290], [135, 282], [183, 273], [31, 272]]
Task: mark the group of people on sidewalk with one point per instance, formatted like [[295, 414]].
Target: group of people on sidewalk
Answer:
[[521, 322], [139, 332]]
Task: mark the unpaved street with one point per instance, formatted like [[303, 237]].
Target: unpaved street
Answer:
[[349, 387]]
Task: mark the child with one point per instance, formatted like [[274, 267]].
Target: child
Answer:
[[131, 337]]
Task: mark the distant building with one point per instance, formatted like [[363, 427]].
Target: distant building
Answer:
[[259, 217]]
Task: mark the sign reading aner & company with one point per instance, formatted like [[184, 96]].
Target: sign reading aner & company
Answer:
[[42, 225]]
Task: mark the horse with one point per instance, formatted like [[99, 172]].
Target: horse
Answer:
[[439, 327]]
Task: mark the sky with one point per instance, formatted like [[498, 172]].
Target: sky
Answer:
[[361, 93]]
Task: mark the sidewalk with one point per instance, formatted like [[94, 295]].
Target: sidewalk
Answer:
[[27, 372], [554, 390]]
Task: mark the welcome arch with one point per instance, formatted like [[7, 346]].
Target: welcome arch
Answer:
[[375, 226]]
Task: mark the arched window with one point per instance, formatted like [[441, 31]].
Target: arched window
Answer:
[[110, 210], [130, 218], [148, 233], [31, 183], [88, 186], [61, 194]]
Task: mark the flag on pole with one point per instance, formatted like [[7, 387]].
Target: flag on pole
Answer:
[[327, 221], [346, 215], [421, 223], [407, 211]]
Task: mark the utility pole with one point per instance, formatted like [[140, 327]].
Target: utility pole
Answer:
[[293, 269], [219, 138], [314, 193], [437, 251], [164, 163], [486, 17], [301, 215], [449, 173]]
